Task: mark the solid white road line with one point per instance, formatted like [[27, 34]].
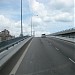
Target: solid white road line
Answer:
[[14, 70]]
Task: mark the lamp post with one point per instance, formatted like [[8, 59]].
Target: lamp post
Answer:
[[32, 24], [21, 21]]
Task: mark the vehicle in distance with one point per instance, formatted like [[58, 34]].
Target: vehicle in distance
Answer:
[[43, 35]]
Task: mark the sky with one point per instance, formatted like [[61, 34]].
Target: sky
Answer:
[[53, 16]]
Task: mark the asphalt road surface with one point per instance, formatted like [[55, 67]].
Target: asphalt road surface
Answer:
[[45, 57]]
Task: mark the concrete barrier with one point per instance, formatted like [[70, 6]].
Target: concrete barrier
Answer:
[[8, 54]]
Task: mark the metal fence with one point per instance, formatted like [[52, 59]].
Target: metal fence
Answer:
[[8, 43]]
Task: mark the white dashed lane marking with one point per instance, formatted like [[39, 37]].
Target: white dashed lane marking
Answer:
[[56, 48], [72, 60]]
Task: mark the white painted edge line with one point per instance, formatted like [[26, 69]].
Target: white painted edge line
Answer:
[[72, 60], [14, 70]]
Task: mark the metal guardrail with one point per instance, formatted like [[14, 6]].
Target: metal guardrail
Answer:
[[6, 44], [4, 57]]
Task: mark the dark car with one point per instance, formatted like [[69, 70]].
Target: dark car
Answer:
[[43, 36]]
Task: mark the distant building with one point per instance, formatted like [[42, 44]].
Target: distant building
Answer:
[[5, 35]]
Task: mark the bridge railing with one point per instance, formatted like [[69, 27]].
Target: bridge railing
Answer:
[[6, 44]]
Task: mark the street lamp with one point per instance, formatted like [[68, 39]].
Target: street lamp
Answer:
[[32, 24], [21, 21]]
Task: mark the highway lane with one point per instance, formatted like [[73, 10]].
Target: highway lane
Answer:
[[66, 47], [43, 58]]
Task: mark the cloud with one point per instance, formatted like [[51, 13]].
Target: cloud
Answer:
[[13, 26], [61, 4], [63, 17], [55, 15], [38, 8], [4, 22]]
